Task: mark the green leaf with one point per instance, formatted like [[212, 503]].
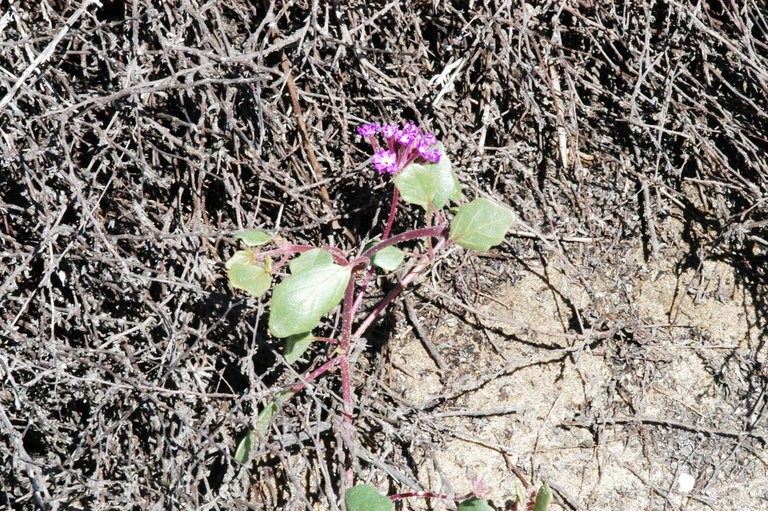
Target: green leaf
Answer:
[[481, 224], [475, 504], [417, 184], [266, 416], [284, 396], [254, 279], [365, 497], [543, 499], [388, 259], [253, 238], [300, 301], [263, 420], [244, 447], [431, 183], [297, 345], [239, 257], [310, 259]]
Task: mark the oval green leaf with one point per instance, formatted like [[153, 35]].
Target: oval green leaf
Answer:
[[254, 279], [300, 301], [543, 499], [481, 224], [475, 504], [310, 259], [388, 259], [297, 345], [266, 416], [253, 238], [365, 497], [431, 183], [239, 257], [417, 184], [263, 420], [244, 447]]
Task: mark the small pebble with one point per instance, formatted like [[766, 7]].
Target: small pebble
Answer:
[[685, 482]]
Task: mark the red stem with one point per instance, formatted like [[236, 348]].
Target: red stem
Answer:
[[346, 378], [427, 232], [399, 288], [369, 273], [345, 344], [426, 494], [350, 306], [406, 236], [338, 256], [281, 263], [392, 211], [316, 373]]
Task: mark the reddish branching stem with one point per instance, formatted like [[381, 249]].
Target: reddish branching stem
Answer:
[[384, 236], [351, 304], [392, 212], [427, 232], [405, 282], [339, 256], [316, 374]]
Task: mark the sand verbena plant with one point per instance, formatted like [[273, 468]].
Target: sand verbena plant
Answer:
[[313, 281]]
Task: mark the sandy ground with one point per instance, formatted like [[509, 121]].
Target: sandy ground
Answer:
[[678, 442]]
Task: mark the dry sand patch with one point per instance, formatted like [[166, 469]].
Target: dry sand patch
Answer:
[[696, 320]]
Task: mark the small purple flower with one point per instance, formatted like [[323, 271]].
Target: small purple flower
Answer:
[[432, 155], [385, 161], [407, 137], [389, 131], [404, 146], [427, 140], [368, 130]]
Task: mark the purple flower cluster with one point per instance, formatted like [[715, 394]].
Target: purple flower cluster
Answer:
[[404, 146]]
